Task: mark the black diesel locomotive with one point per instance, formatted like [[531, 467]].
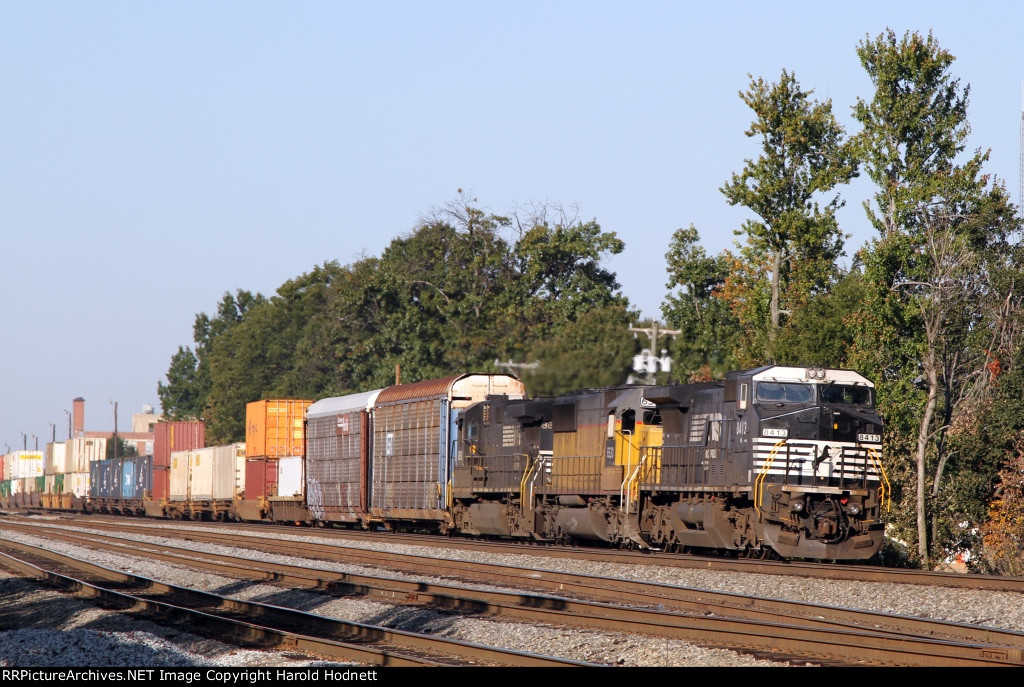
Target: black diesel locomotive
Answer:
[[782, 461]]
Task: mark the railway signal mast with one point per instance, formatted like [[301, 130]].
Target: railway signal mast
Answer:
[[647, 363]]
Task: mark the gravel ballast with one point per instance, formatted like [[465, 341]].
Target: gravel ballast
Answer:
[[45, 628]]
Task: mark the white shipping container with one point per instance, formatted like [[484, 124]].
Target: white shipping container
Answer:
[[15, 486], [77, 483], [86, 450], [214, 472], [289, 476], [178, 487], [57, 455], [24, 464]]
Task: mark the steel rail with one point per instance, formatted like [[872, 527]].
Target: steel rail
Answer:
[[872, 642], [845, 572], [277, 623]]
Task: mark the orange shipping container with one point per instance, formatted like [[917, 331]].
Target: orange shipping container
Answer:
[[273, 429]]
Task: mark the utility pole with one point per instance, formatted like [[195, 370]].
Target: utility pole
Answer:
[[648, 362], [114, 403]]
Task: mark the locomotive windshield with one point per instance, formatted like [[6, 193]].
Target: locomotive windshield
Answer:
[[845, 394], [784, 392], [794, 392]]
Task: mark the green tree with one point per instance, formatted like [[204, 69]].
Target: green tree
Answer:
[[594, 351], [694, 307], [558, 274], [943, 229], [123, 449], [451, 296], [180, 397], [191, 375], [823, 331], [445, 289], [795, 241]]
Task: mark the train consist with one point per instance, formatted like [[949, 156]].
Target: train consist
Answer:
[[774, 461]]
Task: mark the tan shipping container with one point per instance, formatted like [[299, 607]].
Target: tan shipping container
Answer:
[[274, 428], [84, 451], [57, 458], [79, 482], [178, 489], [214, 473]]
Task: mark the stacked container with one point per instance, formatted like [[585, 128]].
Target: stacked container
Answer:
[[82, 452], [56, 459], [137, 477], [169, 437], [208, 474], [275, 448]]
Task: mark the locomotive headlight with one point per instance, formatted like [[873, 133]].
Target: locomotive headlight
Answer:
[[796, 506], [853, 509]]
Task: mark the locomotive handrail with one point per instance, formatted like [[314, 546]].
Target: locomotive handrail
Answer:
[[625, 494], [883, 483], [529, 479], [763, 474], [525, 497], [631, 485]]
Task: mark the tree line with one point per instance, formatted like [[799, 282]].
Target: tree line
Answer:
[[930, 307]]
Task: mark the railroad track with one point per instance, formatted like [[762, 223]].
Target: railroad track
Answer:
[[842, 572], [250, 623], [780, 629]]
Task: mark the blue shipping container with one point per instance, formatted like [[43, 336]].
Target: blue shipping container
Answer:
[[94, 479], [128, 478]]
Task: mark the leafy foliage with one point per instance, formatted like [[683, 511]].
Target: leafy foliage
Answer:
[[694, 307], [945, 231], [789, 253], [454, 295]]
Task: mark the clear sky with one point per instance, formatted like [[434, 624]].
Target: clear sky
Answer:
[[154, 155]]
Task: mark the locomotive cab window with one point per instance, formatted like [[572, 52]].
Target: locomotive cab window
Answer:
[[784, 392], [472, 434], [846, 394]]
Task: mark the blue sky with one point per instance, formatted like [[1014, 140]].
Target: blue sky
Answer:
[[154, 155]]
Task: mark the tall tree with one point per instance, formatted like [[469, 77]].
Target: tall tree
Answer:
[[190, 377], [795, 240], [451, 296], [943, 228], [558, 267], [709, 328], [180, 398], [596, 350]]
